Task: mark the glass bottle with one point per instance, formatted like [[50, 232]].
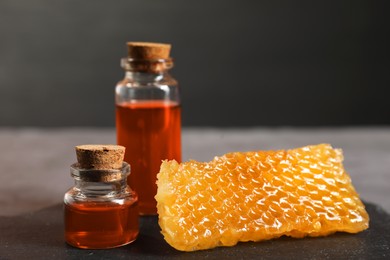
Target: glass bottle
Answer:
[[101, 210], [148, 117]]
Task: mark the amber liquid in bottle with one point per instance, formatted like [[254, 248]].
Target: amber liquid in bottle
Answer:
[[150, 131], [100, 224]]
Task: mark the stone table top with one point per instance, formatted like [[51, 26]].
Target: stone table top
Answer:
[[35, 175], [35, 162]]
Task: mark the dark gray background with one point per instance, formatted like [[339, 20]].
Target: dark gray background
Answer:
[[239, 63]]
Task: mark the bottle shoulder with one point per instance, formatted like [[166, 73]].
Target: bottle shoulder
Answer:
[[76, 196]]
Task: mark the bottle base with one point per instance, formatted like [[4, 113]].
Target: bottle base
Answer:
[[83, 243], [147, 209]]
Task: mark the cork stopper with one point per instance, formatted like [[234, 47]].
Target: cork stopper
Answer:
[[148, 50], [100, 157], [100, 163]]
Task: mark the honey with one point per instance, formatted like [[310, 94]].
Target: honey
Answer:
[[256, 196], [150, 131], [100, 224]]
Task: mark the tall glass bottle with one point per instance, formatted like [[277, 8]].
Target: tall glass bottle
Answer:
[[148, 117]]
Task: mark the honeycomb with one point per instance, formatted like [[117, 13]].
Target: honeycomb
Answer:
[[254, 196]]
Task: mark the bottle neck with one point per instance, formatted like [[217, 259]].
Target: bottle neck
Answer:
[[139, 76], [100, 189], [142, 68], [100, 182]]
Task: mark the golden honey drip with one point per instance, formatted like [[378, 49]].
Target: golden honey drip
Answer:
[[257, 196]]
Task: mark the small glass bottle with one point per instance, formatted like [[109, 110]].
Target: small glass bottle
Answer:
[[101, 210], [148, 117]]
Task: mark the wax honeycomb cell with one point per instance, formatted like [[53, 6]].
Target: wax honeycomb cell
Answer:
[[254, 196]]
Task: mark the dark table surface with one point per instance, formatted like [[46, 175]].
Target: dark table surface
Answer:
[[40, 235], [35, 175]]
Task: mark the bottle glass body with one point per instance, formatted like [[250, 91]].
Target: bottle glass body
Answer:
[[100, 214], [148, 124]]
